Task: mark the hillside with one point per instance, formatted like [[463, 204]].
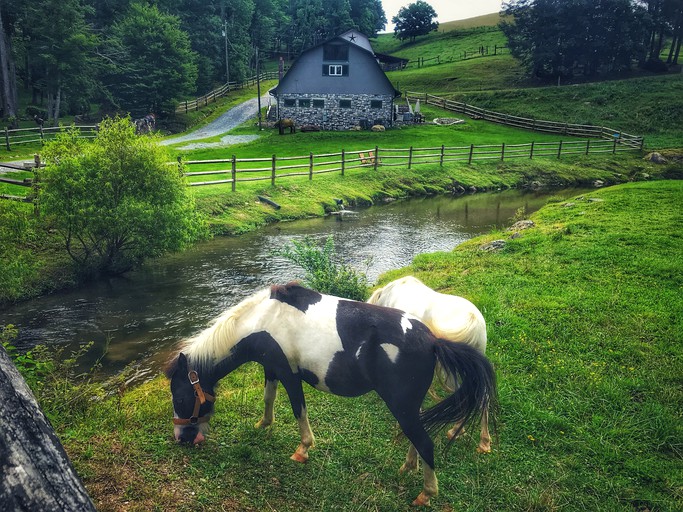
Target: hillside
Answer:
[[640, 103]]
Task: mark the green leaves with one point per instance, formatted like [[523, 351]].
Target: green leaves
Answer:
[[115, 201], [322, 272], [414, 20]]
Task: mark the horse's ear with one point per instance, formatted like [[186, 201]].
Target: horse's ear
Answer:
[[177, 363]]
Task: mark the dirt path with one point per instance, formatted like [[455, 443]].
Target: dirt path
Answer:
[[224, 123]]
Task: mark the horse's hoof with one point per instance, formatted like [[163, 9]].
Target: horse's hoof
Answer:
[[297, 457], [483, 449], [421, 501], [263, 424]]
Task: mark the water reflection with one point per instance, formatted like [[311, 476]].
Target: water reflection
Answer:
[[140, 316]]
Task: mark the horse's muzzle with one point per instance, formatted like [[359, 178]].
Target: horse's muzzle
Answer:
[[189, 435]]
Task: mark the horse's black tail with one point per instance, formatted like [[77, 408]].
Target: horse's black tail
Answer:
[[476, 392]]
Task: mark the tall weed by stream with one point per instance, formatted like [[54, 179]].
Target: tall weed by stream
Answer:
[[322, 270]]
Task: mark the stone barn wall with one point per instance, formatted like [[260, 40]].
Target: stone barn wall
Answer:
[[335, 111]]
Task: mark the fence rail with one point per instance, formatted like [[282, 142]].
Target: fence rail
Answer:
[[238, 170], [25, 182], [18, 136], [232, 171], [482, 51], [219, 92], [538, 125]]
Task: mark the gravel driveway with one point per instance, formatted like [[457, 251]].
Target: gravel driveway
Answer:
[[224, 123]]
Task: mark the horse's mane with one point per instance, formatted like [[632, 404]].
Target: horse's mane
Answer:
[[215, 342]]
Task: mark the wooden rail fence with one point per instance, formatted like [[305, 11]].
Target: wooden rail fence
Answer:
[[18, 136], [211, 96], [231, 171], [538, 125], [26, 182], [241, 170]]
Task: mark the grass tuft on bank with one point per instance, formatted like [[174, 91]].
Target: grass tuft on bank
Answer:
[[584, 328]]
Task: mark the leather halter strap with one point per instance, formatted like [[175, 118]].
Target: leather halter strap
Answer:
[[201, 397]]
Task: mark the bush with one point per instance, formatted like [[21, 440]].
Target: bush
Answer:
[[115, 201], [322, 273]]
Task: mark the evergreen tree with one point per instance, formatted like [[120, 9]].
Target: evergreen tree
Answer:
[[152, 66]]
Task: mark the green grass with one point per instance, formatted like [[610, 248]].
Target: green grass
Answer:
[[584, 324]]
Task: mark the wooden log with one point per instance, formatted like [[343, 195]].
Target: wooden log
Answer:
[[270, 202], [36, 472]]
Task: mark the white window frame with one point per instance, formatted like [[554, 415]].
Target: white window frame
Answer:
[[335, 70]]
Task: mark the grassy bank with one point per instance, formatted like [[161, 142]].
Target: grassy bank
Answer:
[[584, 325], [35, 264]]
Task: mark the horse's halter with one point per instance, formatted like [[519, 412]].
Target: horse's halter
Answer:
[[200, 399]]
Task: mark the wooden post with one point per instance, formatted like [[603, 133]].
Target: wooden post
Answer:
[[234, 172], [310, 166], [376, 162], [616, 139], [42, 136], [502, 152], [410, 157], [531, 153], [343, 163], [559, 150], [37, 473], [588, 145], [34, 183], [7, 139], [180, 165], [642, 143], [443, 148], [272, 173], [469, 161]]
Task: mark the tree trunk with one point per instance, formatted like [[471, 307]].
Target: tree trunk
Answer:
[[9, 96], [36, 472]]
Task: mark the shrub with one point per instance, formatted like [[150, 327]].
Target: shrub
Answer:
[[322, 273], [115, 201]]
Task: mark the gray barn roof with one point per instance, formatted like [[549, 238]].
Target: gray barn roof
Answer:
[[364, 76]]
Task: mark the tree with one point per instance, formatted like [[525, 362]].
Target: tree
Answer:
[[556, 37], [115, 201], [414, 20], [36, 471], [151, 66], [8, 96], [61, 49]]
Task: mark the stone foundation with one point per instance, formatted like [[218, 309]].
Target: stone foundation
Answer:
[[332, 116]]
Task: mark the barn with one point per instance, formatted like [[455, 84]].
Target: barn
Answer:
[[336, 85]]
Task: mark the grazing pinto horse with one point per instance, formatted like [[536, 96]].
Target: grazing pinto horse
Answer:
[[344, 347], [449, 317]]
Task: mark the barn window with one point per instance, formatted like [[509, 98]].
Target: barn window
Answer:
[[318, 103], [333, 51], [304, 103], [375, 103], [344, 103], [290, 102], [335, 70]]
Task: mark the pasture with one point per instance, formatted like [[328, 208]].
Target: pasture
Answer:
[[584, 327]]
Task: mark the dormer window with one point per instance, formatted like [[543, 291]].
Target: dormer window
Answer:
[[336, 51]]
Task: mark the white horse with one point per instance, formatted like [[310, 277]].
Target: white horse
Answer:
[[449, 317]]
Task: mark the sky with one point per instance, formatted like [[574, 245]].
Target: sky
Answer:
[[447, 10]]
